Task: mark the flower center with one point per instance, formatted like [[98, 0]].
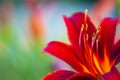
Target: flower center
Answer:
[[93, 63]]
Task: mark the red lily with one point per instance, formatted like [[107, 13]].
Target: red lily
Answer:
[[91, 52]]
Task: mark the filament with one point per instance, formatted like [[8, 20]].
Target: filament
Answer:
[[86, 12]]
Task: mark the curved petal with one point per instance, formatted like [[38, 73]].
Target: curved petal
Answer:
[[107, 34], [82, 76], [73, 31], [66, 53], [73, 34], [115, 53], [74, 24], [114, 74], [59, 75]]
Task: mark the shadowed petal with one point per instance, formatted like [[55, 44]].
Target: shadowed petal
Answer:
[[107, 35], [114, 74], [59, 75], [66, 53], [82, 76], [115, 53], [106, 41]]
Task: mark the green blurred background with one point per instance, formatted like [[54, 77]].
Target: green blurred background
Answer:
[[26, 26]]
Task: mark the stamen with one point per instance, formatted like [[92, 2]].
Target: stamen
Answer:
[[86, 26], [93, 36], [93, 39], [82, 27], [98, 65], [88, 55], [98, 38], [98, 30], [97, 43], [86, 11]]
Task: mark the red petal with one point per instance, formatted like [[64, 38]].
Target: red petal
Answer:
[[82, 76], [73, 34], [73, 25], [73, 31], [59, 75], [66, 53], [115, 53], [114, 74], [107, 33]]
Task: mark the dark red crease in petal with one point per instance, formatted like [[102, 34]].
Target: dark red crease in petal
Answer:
[[114, 74], [115, 53], [107, 33], [82, 76], [59, 75]]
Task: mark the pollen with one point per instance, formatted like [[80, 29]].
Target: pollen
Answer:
[[98, 38], [86, 26], [82, 27], [93, 36], [98, 30], [93, 39]]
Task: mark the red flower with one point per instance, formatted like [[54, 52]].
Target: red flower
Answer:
[[91, 52]]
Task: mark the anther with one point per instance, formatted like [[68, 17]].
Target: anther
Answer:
[[86, 26], [93, 36], [98, 38], [82, 27], [98, 30]]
